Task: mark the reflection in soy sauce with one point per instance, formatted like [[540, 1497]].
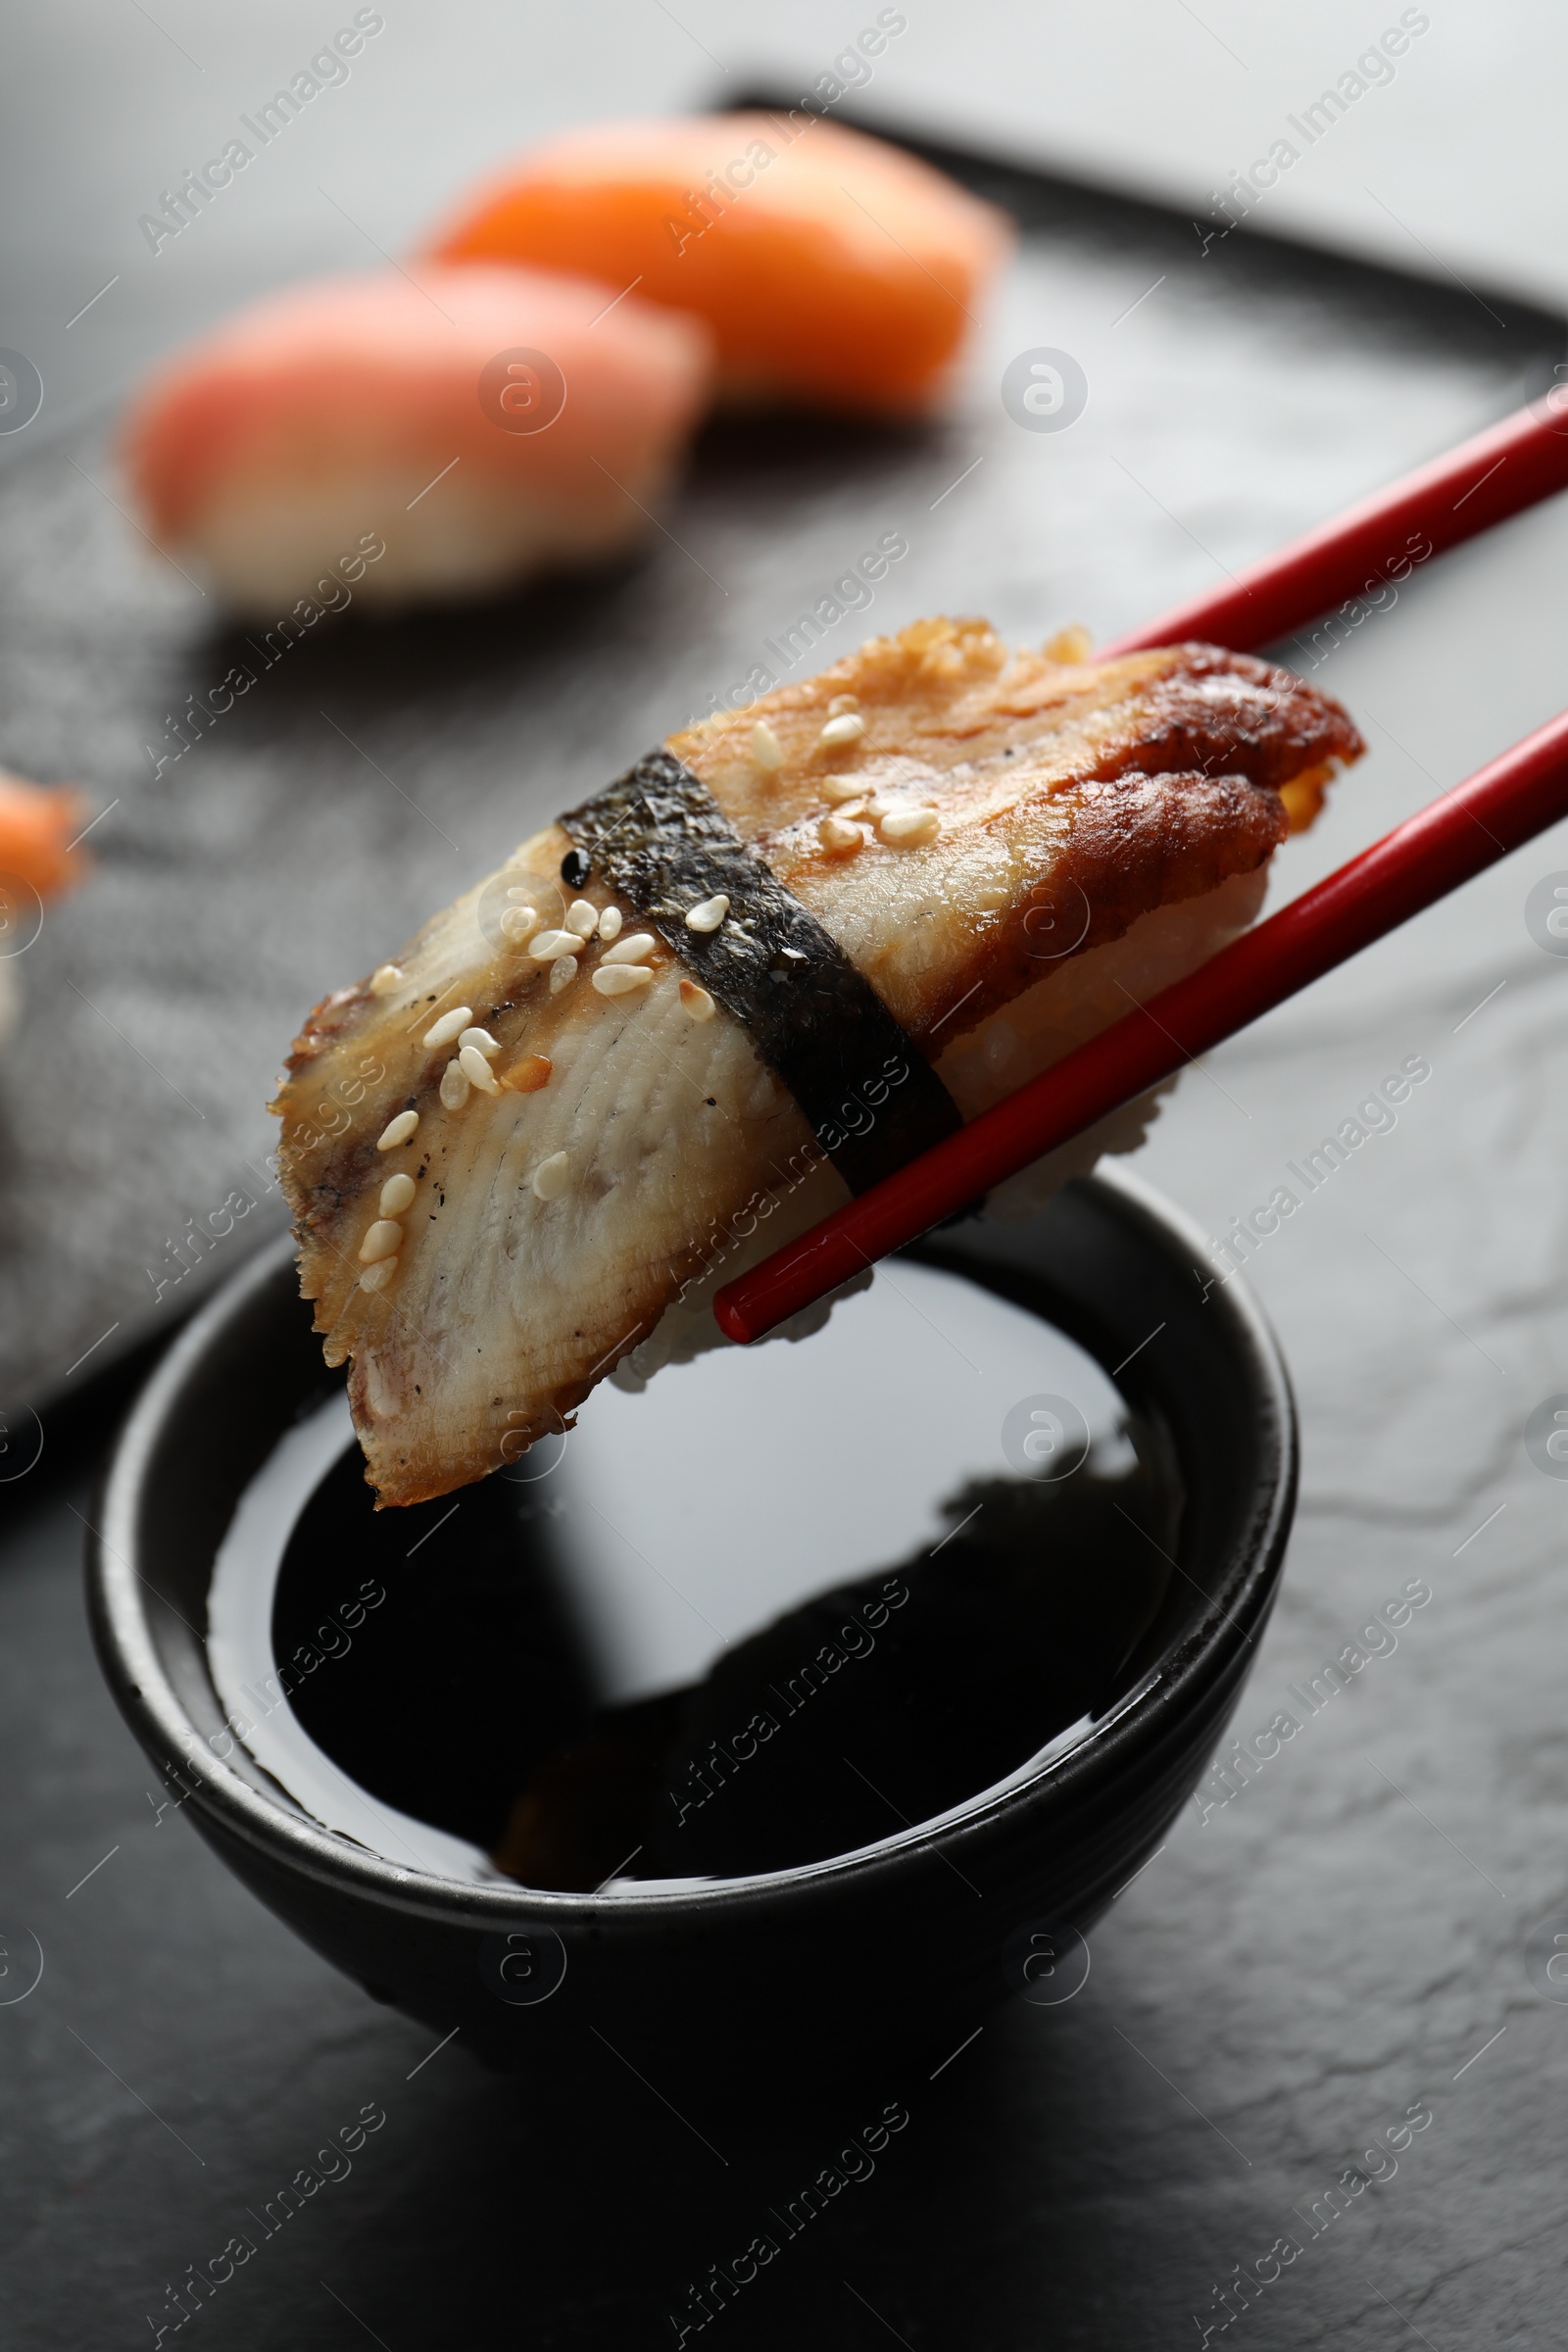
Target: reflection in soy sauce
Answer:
[[472, 1698]]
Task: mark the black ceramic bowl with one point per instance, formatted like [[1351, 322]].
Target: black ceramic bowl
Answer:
[[916, 1931]]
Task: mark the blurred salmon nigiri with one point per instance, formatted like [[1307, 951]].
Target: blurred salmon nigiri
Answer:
[[38, 858], [832, 268], [38, 823], [476, 428]]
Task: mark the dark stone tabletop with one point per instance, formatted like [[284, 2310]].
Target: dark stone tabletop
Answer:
[[1343, 1948]]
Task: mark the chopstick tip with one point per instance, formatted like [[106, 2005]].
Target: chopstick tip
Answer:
[[730, 1320]]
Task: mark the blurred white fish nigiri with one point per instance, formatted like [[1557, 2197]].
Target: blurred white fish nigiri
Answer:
[[483, 424]]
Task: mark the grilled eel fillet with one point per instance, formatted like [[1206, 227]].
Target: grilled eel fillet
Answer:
[[1128, 790]]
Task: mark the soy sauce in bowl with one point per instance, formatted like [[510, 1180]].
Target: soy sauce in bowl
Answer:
[[778, 1607]]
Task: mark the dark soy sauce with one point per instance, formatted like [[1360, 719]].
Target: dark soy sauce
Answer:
[[673, 1646]]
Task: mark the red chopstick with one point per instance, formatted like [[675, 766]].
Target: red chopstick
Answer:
[[1459, 835], [1496, 474], [1501, 472]]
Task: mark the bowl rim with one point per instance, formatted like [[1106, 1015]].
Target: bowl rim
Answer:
[[147, 1697]]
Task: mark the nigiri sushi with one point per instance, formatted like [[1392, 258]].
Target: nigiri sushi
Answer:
[[37, 826], [38, 859], [784, 952], [833, 269], [441, 438]]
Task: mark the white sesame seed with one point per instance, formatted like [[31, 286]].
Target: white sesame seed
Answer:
[[519, 924], [837, 835], [397, 1131], [843, 702], [696, 1002], [842, 788], [610, 923], [631, 950], [909, 828], [385, 978], [516, 891], [847, 727], [583, 918], [766, 749], [377, 1277], [397, 1194], [710, 915], [455, 1086], [550, 944], [477, 1070], [562, 972], [481, 1039], [1072, 645], [552, 1177], [383, 1239], [443, 1031], [620, 979]]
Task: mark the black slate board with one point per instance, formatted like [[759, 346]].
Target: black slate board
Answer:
[[1236, 394], [1344, 1940]]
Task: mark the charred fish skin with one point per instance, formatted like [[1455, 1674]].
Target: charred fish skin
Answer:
[[1133, 782], [597, 1124]]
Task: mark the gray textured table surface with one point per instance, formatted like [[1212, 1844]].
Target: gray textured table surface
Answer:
[[1341, 1942], [249, 861]]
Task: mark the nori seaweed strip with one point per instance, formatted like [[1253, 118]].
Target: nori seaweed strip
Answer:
[[657, 836]]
